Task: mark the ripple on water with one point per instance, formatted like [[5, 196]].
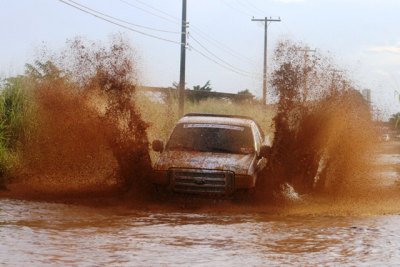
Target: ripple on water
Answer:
[[49, 234]]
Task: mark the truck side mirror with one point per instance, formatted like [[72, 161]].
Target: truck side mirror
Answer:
[[265, 151], [158, 146]]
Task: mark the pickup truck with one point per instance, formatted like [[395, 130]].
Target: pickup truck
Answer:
[[211, 154]]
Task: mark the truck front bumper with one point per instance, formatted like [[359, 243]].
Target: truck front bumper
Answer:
[[202, 181]]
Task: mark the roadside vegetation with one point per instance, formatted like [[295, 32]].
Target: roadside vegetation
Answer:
[[16, 122], [162, 116]]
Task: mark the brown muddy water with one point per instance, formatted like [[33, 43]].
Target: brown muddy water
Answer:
[[45, 234], [310, 233]]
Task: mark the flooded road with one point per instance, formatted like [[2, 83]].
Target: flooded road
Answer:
[[220, 234], [40, 234]]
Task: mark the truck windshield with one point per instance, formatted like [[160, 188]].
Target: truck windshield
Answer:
[[217, 138]]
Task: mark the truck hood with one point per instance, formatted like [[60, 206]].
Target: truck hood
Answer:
[[237, 163]]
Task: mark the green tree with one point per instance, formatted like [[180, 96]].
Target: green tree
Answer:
[[15, 119]]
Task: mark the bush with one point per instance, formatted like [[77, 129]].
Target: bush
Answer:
[[15, 123]]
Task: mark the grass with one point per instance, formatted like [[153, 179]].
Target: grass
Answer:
[[14, 123], [162, 117]]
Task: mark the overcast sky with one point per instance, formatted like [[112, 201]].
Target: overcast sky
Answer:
[[362, 35]]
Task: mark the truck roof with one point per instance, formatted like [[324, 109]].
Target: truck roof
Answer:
[[217, 119]]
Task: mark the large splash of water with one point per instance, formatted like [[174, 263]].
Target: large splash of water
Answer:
[[324, 134], [88, 135]]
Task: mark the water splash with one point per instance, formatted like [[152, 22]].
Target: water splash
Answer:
[[324, 134], [88, 134]]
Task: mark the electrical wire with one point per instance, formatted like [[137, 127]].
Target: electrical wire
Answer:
[[158, 10], [217, 57], [122, 21], [216, 62], [219, 64], [222, 46], [149, 12], [254, 7], [108, 18], [245, 6], [239, 10], [194, 29], [118, 24]]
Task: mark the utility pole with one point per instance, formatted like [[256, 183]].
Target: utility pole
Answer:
[[266, 21], [181, 91], [306, 51]]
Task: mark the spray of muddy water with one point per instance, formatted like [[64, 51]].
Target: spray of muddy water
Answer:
[[324, 135], [88, 136]]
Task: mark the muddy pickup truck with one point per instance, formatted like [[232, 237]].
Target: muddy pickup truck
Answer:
[[211, 154]]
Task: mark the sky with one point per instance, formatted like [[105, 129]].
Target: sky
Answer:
[[363, 37]]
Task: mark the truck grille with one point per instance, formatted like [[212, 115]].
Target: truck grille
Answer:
[[202, 181]]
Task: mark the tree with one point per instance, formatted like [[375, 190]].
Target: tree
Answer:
[[15, 122], [246, 92], [245, 95], [205, 88], [43, 70]]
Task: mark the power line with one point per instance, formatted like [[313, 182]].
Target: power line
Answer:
[[120, 20], [200, 32], [222, 46], [118, 24], [247, 4], [195, 29], [217, 57], [149, 12], [156, 9], [254, 6], [219, 64], [228, 4], [108, 18]]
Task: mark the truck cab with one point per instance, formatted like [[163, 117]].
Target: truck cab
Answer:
[[211, 154]]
